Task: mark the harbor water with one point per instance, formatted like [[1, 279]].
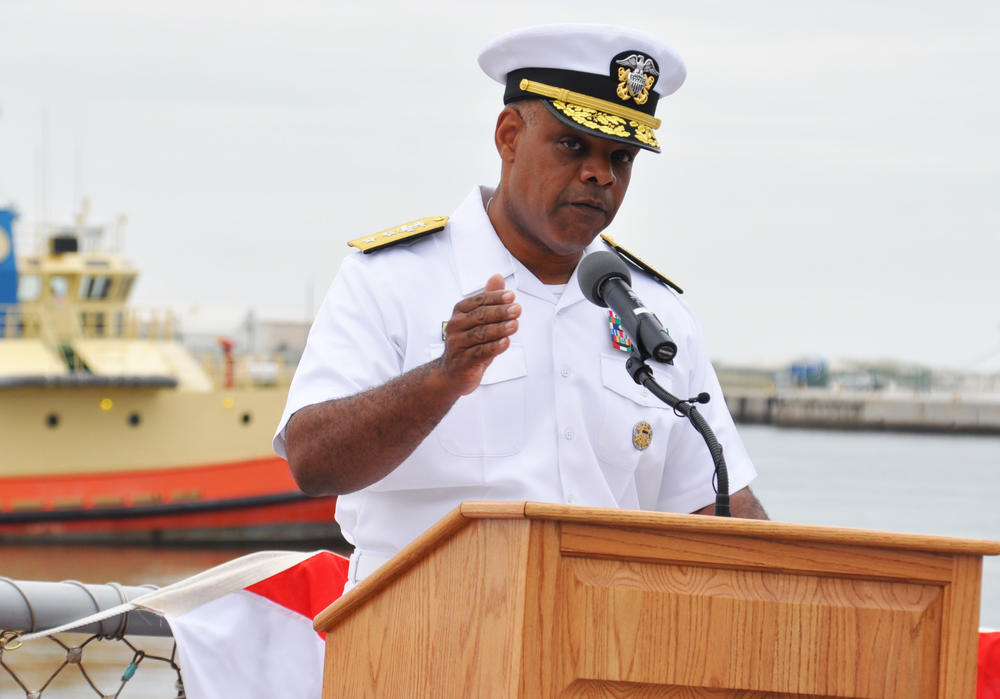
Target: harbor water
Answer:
[[947, 485], [921, 483]]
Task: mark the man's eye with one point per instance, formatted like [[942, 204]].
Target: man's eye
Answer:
[[571, 144], [624, 156]]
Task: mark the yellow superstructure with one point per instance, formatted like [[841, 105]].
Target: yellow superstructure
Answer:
[[89, 383], [106, 415]]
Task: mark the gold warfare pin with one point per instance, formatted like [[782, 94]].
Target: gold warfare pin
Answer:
[[642, 435]]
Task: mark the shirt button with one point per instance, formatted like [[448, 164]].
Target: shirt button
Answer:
[[568, 433], [570, 497], [565, 371]]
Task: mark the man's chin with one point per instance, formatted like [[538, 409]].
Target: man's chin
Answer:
[[577, 235], [573, 245]]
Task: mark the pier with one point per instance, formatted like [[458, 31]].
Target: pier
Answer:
[[866, 410]]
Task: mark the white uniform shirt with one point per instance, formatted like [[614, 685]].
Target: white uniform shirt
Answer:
[[553, 418]]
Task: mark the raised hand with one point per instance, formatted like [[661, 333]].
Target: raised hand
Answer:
[[479, 330]]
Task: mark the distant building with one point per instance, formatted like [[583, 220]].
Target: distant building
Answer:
[[249, 333], [282, 337], [808, 371]]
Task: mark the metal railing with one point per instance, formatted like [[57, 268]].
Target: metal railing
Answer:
[[105, 654], [95, 321], [88, 320], [15, 322], [247, 370]]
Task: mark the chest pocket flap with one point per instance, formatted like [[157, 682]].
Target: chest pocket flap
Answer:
[[615, 378], [490, 421]]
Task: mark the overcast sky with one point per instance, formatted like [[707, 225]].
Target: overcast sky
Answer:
[[829, 183]]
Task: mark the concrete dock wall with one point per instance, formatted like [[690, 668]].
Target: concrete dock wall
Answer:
[[866, 410]]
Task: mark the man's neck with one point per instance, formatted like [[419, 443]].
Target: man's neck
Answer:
[[548, 266]]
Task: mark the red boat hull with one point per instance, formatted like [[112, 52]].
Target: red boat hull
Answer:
[[259, 492]]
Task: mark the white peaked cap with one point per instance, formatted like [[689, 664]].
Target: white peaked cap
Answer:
[[601, 79]]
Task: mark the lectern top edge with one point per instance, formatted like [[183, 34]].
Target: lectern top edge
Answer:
[[665, 521]]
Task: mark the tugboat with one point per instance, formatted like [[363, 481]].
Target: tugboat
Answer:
[[109, 425]]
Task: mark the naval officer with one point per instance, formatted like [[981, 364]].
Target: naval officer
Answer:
[[456, 358]]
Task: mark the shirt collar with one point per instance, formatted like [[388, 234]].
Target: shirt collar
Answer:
[[479, 253], [573, 293]]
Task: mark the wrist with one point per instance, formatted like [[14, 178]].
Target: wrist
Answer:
[[438, 381]]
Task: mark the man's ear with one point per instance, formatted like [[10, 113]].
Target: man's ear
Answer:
[[510, 124]]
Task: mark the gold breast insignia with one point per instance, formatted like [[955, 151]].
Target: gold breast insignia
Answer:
[[642, 435]]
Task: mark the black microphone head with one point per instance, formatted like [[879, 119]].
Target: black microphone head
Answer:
[[595, 269]]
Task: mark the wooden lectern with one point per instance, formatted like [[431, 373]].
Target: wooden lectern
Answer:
[[531, 600]]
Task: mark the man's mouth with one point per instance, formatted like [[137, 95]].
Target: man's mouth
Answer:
[[591, 205]]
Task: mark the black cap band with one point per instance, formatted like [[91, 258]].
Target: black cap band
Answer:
[[599, 86]]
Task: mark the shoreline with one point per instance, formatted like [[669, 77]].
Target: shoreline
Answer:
[[817, 408]]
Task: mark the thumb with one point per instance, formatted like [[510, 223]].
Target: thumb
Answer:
[[494, 283]]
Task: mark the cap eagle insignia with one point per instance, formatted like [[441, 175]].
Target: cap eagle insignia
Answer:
[[636, 76]]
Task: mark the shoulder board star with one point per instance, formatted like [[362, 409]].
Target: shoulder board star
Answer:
[[407, 232], [639, 264]]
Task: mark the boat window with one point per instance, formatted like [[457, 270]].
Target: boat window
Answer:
[[59, 286], [126, 286], [29, 287], [94, 287], [86, 284], [101, 287]]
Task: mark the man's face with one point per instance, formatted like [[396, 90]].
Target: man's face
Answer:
[[565, 186]]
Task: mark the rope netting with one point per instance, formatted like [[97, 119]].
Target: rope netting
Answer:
[[78, 665]]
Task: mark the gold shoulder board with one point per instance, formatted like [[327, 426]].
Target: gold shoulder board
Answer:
[[636, 262], [406, 232]]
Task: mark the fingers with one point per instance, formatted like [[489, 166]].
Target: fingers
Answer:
[[479, 329], [484, 313], [485, 317], [492, 295]]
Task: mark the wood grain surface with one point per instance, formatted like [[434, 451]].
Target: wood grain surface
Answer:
[[531, 600]]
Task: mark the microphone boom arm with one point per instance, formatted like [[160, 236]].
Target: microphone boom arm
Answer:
[[642, 374]]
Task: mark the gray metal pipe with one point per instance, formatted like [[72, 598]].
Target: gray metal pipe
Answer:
[[31, 605]]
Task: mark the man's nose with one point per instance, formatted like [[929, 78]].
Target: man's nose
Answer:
[[598, 170]]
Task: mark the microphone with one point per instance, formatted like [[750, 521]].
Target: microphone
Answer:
[[605, 281]]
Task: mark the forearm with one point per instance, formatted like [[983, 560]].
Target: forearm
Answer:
[[743, 503], [343, 445]]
